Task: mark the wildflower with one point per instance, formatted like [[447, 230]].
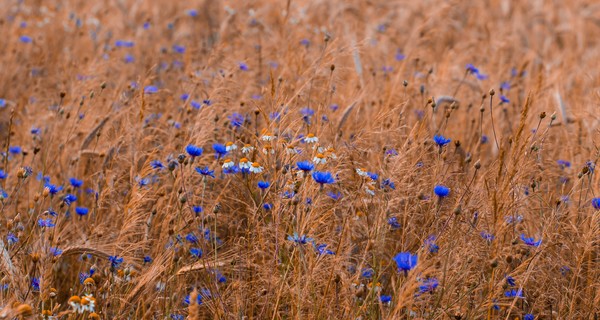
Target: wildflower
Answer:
[[388, 183], [305, 166], [529, 316], [220, 149], [405, 261], [487, 236], [195, 104], [236, 120], [227, 163], [391, 152], [512, 293], [193, 150], [11, 238], [81, 211], [370, 189], [191, 238], [511, 281], [441, 140], [428, 285], [75, 303], [323, 178], [472, 69], [247, 149], [291, 150], [531, 241], [55, 251], [330, 152], [88, 303], [596, 203], [15, 150], [334, 195], [385, 299], [441, 191], [367, 273], [303, 239], [319, 159], [504, 99], [361, 172], [52, 189], [45, 223], [244, 163], [156, 164], [256, 168], [150, 89], [267, 136], [591, 166], [142, 182], [393, 222], [35, 284], [3, 194], [233, 169], [206, 172], [26, 39], [115, 261], [3, 175], [197, 210], [196, 252], [75, 183], [268, 149], [243, 66], [430, 243], [322, 250], [69, 198], [178, 49], [311, 138], [230, 146], [124, 43], [563, 164], [263, 184]]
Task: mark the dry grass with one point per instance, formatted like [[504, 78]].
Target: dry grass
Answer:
[[396, 72]]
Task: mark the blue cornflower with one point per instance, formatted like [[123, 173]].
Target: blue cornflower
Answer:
[[323, 178], [55, 251], [184, 96], [530, 241], [115, 261], [2, 103], [373, 176], [472, 69], [235, 169], [75, 183], [35, 284], [596, 203], [307, 112], [441, 191], [334, 195], [193, 150], [124, 43], [505, 85], [275, 116], [3, 194], [322, 249], [391, 152], [563, 164], [511, 281], [305, 166], [504, 99], [35, 131], [267, 206], [52, 189], [45, 223], [197, 209], [175, 316], [192, 13], [195, 104], [441, 140], [150, 89], [263, 184], [305, 42], [393, 222], [367, 273], [484, 139], [147, 259], [15, 150], [236, 119], [405, 261], [591, 166], [11, 238], [156, 164], [25, 39], [81, 211], [178, 49], [69, 198], [385, 299], [129, 58], [196, 252], [431, 245], [388, 183], [303, 239], [220, 149], [205, 171], [428, 285], [142, 182], [191, 238], [243, 66], [529, 316], [487, 236], [3, 175], [512, 293]]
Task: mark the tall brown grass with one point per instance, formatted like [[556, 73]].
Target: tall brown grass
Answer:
[[97, 124]]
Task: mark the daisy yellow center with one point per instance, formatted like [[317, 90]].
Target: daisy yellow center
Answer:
[[256, 164], [229, 144], [244, 160], [320, 156], [310, 135]]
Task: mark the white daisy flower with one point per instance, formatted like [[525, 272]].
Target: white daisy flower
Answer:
[[291, 150], [247, 149], [320, 159], [310, 138], [245, 163], [361, 172], [227, 164], [256, 168], [230, 146], [268, 149]]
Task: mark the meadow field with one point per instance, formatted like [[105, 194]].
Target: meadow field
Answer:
[[294, 159]]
